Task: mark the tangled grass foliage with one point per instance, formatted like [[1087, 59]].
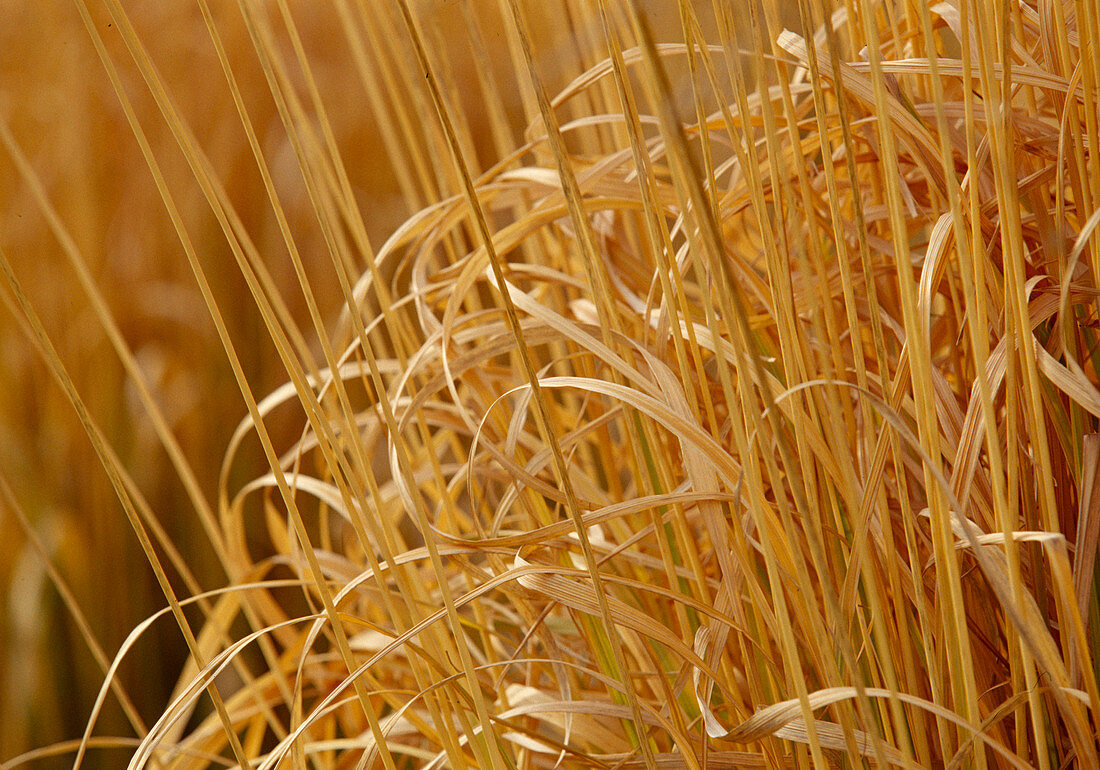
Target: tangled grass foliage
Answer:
[[739, 412]]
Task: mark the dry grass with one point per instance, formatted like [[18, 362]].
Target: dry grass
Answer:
[[625, 385]]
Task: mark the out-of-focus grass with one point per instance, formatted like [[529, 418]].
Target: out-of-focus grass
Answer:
[[634, 402], [65, 117]]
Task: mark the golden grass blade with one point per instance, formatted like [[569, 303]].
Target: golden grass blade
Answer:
[[780, 715]]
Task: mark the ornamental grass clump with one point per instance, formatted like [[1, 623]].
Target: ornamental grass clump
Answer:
[[723, 395]]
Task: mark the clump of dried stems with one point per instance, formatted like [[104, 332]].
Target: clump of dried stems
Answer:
[[739, 411]]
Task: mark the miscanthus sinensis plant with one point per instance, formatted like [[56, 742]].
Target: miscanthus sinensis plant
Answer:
[[723, 395]]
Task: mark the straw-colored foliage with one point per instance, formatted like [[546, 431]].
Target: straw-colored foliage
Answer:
[[623, 384]]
